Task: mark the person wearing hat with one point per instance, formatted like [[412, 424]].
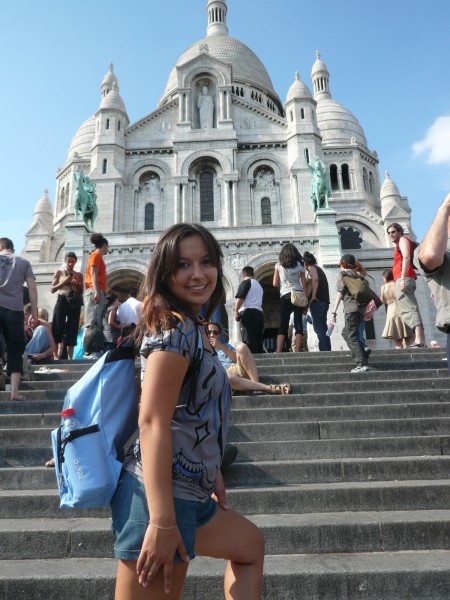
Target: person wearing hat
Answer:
[[353, 312]]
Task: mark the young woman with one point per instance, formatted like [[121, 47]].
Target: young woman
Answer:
[[65, 318], [42, 346], [353, 312], [289, 274], [111, 323], [163, 509], [395, 328]]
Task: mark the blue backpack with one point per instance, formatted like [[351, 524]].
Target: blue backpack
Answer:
[[88, 460]]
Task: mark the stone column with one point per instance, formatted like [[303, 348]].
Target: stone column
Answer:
[[329, 239], [234, 203], [227, 208], [75, 232], [176, 203], [341, 183], [184, 207]]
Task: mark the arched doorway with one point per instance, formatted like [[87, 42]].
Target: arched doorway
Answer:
[[120, 282], [271, 305]]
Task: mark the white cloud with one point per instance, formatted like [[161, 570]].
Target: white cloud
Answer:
[[436, 142]]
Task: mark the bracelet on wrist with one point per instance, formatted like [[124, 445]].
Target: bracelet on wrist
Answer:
[[160, 526]]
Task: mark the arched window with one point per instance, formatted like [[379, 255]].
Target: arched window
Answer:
[[107, 123], [334, 177], [302, 113], [105, 166], [371, 183], [118, 125], [345, 177], [350, 238], [207, 196], [266, 211], [365, 180], [62, 200], [67, 194], [292, 115], [149, 222], [307, 154]]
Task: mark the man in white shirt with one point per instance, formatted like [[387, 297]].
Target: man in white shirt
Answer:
[[129, 314]]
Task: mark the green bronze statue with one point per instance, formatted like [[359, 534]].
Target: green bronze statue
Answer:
[[85, 199], [320, 190]]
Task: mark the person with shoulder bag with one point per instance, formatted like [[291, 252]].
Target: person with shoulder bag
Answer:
[[66, 314], [353, 291], [289, 276]]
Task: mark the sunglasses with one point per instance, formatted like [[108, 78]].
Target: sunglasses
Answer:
[[212, 332]]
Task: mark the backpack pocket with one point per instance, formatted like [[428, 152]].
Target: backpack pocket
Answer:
[[87, 472]]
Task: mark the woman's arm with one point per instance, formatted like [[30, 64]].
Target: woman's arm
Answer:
[[111, 322], [276, 278], [315, 282], [164, 375], [304, 283], [339, 298]]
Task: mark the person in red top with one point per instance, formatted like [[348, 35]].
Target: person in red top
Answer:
[[95, 280], [405, 283]]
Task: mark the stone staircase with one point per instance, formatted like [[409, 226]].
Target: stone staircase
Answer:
[[348, 479]]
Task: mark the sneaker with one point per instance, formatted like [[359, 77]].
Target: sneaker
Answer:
[[360, 369]]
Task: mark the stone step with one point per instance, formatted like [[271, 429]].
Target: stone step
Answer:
[[276, 472], [417, 410], [336, 398], [285, 450], [291, 430], [305, 498], [332, 430], [25, 539], [420, 575], [268, 415]]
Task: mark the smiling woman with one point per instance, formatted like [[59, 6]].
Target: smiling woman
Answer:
[[171, 500]]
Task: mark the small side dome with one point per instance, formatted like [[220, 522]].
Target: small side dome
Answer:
[[81, 143], [113, 100], [298, 89], [109, 80], [319, 66], [43, 206], [389, 189]]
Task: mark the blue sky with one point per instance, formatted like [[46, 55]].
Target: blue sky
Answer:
[[388, 64]]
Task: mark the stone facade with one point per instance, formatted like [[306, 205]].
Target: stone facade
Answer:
[[222, 149]]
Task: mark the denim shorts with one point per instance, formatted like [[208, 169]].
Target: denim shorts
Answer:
[[130, 518]]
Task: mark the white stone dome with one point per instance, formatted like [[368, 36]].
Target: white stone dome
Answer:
[[337, 124], [247, 68], [113, 100], [82, 141], [43, 205], [298, 90], [389, 188]]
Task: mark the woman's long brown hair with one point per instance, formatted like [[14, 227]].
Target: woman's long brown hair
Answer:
[[162, 310]]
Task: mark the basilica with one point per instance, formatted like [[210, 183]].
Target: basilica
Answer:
[[222, 148]]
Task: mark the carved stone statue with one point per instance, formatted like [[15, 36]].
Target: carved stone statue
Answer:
[[85, 199], [206, 109], [320, 190]]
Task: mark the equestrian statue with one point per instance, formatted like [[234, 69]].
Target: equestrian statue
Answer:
[[320, 190], [85, 199]]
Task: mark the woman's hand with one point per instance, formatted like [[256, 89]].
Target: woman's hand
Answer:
[[158, 550], [220, 495]]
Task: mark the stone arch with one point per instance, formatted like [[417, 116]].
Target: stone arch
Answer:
[[223, 161], [149, 164], [258, 160], [214, 72], [125, 274]]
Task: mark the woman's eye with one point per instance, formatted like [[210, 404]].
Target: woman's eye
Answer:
[[182, 265], [207, 261]]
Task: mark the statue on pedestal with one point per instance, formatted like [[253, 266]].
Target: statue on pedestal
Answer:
[[205, 106], [85, 199], [320, 190]]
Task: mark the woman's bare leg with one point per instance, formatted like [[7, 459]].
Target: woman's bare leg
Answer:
[[298, 342], [129, 588], [70, 352], [231, 536], [246, 359], [280, 342]]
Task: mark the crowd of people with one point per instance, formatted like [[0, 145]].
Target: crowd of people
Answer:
[[171, 502]]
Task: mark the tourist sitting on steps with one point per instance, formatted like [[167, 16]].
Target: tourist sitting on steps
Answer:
[[240, 365]]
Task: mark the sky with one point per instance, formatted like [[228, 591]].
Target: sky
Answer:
[[388, 62]]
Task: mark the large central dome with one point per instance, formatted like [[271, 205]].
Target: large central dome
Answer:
[[247, 68]]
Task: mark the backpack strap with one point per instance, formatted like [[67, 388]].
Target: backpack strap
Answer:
[[191, 374]]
